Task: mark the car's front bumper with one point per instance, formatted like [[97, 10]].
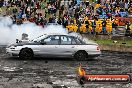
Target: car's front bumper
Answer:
[[12, 52]]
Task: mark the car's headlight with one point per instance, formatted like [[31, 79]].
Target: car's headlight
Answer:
[[11, 46]]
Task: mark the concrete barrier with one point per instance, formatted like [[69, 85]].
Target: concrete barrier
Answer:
[[117, 48], [105, 37], [114, 47]]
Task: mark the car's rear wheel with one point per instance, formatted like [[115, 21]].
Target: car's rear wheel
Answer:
[[26, 53], [80, 55]]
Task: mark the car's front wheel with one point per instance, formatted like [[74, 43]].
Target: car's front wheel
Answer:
[[80, 55], [26, 53]]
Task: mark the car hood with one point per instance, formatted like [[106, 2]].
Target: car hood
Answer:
[[23, 43]]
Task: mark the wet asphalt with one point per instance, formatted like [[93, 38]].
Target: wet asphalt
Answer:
[[61, 72]]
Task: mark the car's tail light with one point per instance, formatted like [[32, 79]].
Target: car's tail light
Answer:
[[98, 48]]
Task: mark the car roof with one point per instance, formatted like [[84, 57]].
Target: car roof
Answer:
[[59, 34], [40, 37], [56, 34]]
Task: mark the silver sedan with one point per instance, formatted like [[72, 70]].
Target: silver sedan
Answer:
[[54, 45]]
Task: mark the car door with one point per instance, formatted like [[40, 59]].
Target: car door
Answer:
[[67, 46], [48, 46]]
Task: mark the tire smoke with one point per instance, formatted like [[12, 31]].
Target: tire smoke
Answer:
[[9, 32]]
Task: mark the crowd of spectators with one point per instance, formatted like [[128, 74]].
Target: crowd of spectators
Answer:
[[68, 12]]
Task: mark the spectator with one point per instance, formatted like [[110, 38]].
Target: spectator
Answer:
[[104, 26], [20, 13], [51, 19], [1, 3], [114, 26], [59, 21], [128, 31], [14, 10], [126, 6], [65, 21]]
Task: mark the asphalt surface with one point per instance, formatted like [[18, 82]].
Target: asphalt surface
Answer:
[[60, 72]]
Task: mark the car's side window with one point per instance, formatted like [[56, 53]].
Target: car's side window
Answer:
[[52, 40], [66, 40]]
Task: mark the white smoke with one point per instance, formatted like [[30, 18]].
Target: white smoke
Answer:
[[9, 32]]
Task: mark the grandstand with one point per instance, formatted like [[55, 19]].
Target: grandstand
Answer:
[[76, 15]]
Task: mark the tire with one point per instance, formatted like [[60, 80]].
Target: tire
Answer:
[[80, 55], [26, 53]]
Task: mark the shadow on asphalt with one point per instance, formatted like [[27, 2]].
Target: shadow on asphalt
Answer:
[[49, 59]]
